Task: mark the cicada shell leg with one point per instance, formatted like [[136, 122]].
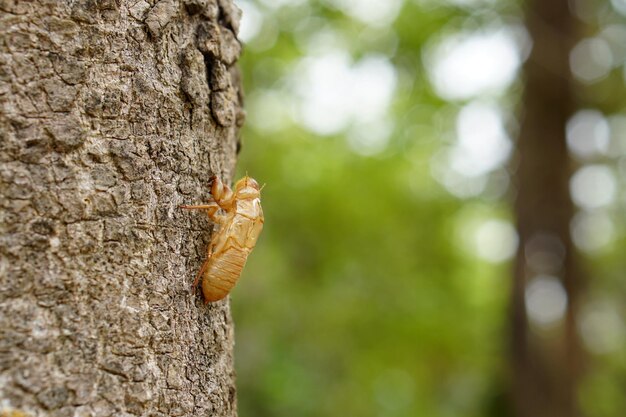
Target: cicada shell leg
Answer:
[[222, 193]]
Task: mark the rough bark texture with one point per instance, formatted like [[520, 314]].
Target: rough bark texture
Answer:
[[113, 112], [546, 363]]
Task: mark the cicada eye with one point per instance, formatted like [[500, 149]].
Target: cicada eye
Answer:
[[252, 183]]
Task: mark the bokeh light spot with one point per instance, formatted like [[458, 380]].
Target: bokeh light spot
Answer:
[[251, 20], [333, 92], [482, 143], [620, 6], [466, 65], [591, 60], [545, 253], [495, 240], [546, 301], [372, 12], [592, 231], [593, 186], [602, 328], [588, 133]]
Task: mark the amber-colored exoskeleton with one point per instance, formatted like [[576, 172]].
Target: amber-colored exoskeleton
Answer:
[[240, 224]]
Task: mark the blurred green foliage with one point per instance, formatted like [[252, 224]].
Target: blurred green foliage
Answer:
[[365, 295]]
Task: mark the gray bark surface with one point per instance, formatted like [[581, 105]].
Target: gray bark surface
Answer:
[[113, 112]]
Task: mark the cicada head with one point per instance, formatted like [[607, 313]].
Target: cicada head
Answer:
[[247, 188]]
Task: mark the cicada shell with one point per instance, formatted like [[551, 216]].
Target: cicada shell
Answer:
[[239, 217]]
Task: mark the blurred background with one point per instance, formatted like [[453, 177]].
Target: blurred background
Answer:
[[444, 207]]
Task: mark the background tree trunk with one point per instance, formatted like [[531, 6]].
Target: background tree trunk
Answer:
[[546, 361], [114, 112]]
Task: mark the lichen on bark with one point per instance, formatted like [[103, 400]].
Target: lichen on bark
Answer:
[[112, 114]]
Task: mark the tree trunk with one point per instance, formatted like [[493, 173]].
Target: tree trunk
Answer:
[[545, 360], [113, 113]]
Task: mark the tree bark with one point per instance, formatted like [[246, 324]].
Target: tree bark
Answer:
[[113, 113], [545, 362]]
